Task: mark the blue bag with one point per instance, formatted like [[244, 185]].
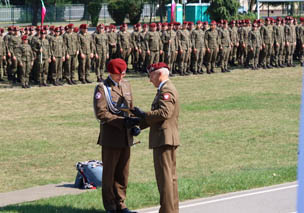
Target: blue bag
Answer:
[[89, 174]]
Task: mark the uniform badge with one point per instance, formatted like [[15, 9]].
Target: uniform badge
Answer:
[[98, 95], [166, 96]]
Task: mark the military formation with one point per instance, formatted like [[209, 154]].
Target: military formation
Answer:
[[46, 55]]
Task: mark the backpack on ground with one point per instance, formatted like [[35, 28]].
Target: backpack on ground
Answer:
[[89, 174]]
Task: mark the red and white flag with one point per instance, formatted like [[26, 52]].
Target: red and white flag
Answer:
[[173, 5], [43, 12]]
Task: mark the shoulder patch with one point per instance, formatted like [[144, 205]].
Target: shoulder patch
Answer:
[[98, 95], [166, 96]]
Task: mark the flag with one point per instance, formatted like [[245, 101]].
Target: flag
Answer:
[[43, 12], [173, 5]]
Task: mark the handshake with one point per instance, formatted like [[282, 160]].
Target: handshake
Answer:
[[132, 122]]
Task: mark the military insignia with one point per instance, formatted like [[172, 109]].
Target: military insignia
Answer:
[[98, 95], [166, 96]]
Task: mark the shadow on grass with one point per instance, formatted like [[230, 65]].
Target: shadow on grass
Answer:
[[35, 208]]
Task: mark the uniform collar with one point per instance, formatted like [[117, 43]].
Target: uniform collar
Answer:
[[161, 84], [114, 82]]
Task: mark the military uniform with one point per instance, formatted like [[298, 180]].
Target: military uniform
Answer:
[[86, 52], [254, 47], [301, 40], [153, 45], [199, 49], [242, 49], [124, 44], [164, 140], [102, 51], [72, 48], [112, 40], [225, 46], [13, 42], [25, 58], [116, 140], [267, 42], [170, 45], [184, 50], [42, 50], [279, 43], [3, 50], [143, 48], [235, 43], [212, 46], [58, 49], [135, 38]]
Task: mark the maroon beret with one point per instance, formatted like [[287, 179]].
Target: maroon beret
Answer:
[[76, 29], [117, 66], [213, 22], [70, 26], [1, 30], [301, 19], [24, 37], [145, 25], [156, 66], [138, 25], [152, 25]]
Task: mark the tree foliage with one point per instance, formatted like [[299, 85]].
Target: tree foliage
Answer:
[[135, 9], [94, 11], [117, 10], [223, 9]]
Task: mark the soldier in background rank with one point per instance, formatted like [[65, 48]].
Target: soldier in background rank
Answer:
[[198, 45], [124, 43], [25, 58], [86, 53], [143, 49], [100, 39], [267, 43], [184, 49], [112, 40], [72, 49], [8, 60], [279, 41], [13, 42], [164, 29], [212, 47], [254, 46], [42, 50], [234, 42], [170, 45], [301, 38], [225, 46], [58, 50], [153, 44], [2, 54], [135, 38]]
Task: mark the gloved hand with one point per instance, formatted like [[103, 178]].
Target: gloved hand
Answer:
[[138, 112], [135, 131], [131, 122]]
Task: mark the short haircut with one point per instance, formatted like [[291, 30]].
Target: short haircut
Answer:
[[163, 71]]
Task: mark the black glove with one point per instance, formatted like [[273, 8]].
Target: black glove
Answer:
[[135, 131], [131, 122], [138, 112]]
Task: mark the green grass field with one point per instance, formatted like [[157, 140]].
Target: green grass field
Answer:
[[238, 131]]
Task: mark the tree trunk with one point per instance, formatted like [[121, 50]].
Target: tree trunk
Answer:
[[86, 15], [251, 4]]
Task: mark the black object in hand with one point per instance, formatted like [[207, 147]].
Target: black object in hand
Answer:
[[135, 131], [138, 112], [131, 122]]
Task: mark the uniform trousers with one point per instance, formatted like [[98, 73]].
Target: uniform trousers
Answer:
[[197, 60], [278, 54], [100, 64], [43, 69], [254, 56], [84, 67], [266, 54], [170, 58], [211, 59], [165, 171], [70, 66], [115, 177], [1, 67], [153, 57], [57, 69], [25, 72], [224, 57]]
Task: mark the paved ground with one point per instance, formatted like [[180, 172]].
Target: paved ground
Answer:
[[274, 199]]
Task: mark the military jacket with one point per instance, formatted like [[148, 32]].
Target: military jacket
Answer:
[[301, 34], [169, 40], [225, 38], [112, 39], [212, 39], [288, 33], [293, 33], [183, 37], [124, 40], [101, 42], [234, 35], [267, 34], [86, 45], [6, 38], [25, 53], [71, 43], [163, 117], [113, 132], [242, 35], [2, 46], [142, 35], [135, 38], [197, 38], [58, 46], [153, 41], [254, 39], [13, 42], [278, 34], [46, 48]]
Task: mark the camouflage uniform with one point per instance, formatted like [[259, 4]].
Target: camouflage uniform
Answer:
[[212, 46], [184, 50], [267, 44], [2, 56], [154, 46], [225, 45], [279, 43], [254, 47], [198, 45]]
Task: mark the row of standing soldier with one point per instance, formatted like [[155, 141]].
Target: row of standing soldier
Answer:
[[54, 54]]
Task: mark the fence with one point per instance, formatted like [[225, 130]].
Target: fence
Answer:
[[64, 13]]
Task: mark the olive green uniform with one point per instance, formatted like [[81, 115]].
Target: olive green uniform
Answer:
[[72, 48], [25, 58], [212, 46], [102, 50]]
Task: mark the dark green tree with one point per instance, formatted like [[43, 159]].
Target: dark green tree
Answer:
[[223, 9], [94, 11], [135, 9], [118, 10]]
